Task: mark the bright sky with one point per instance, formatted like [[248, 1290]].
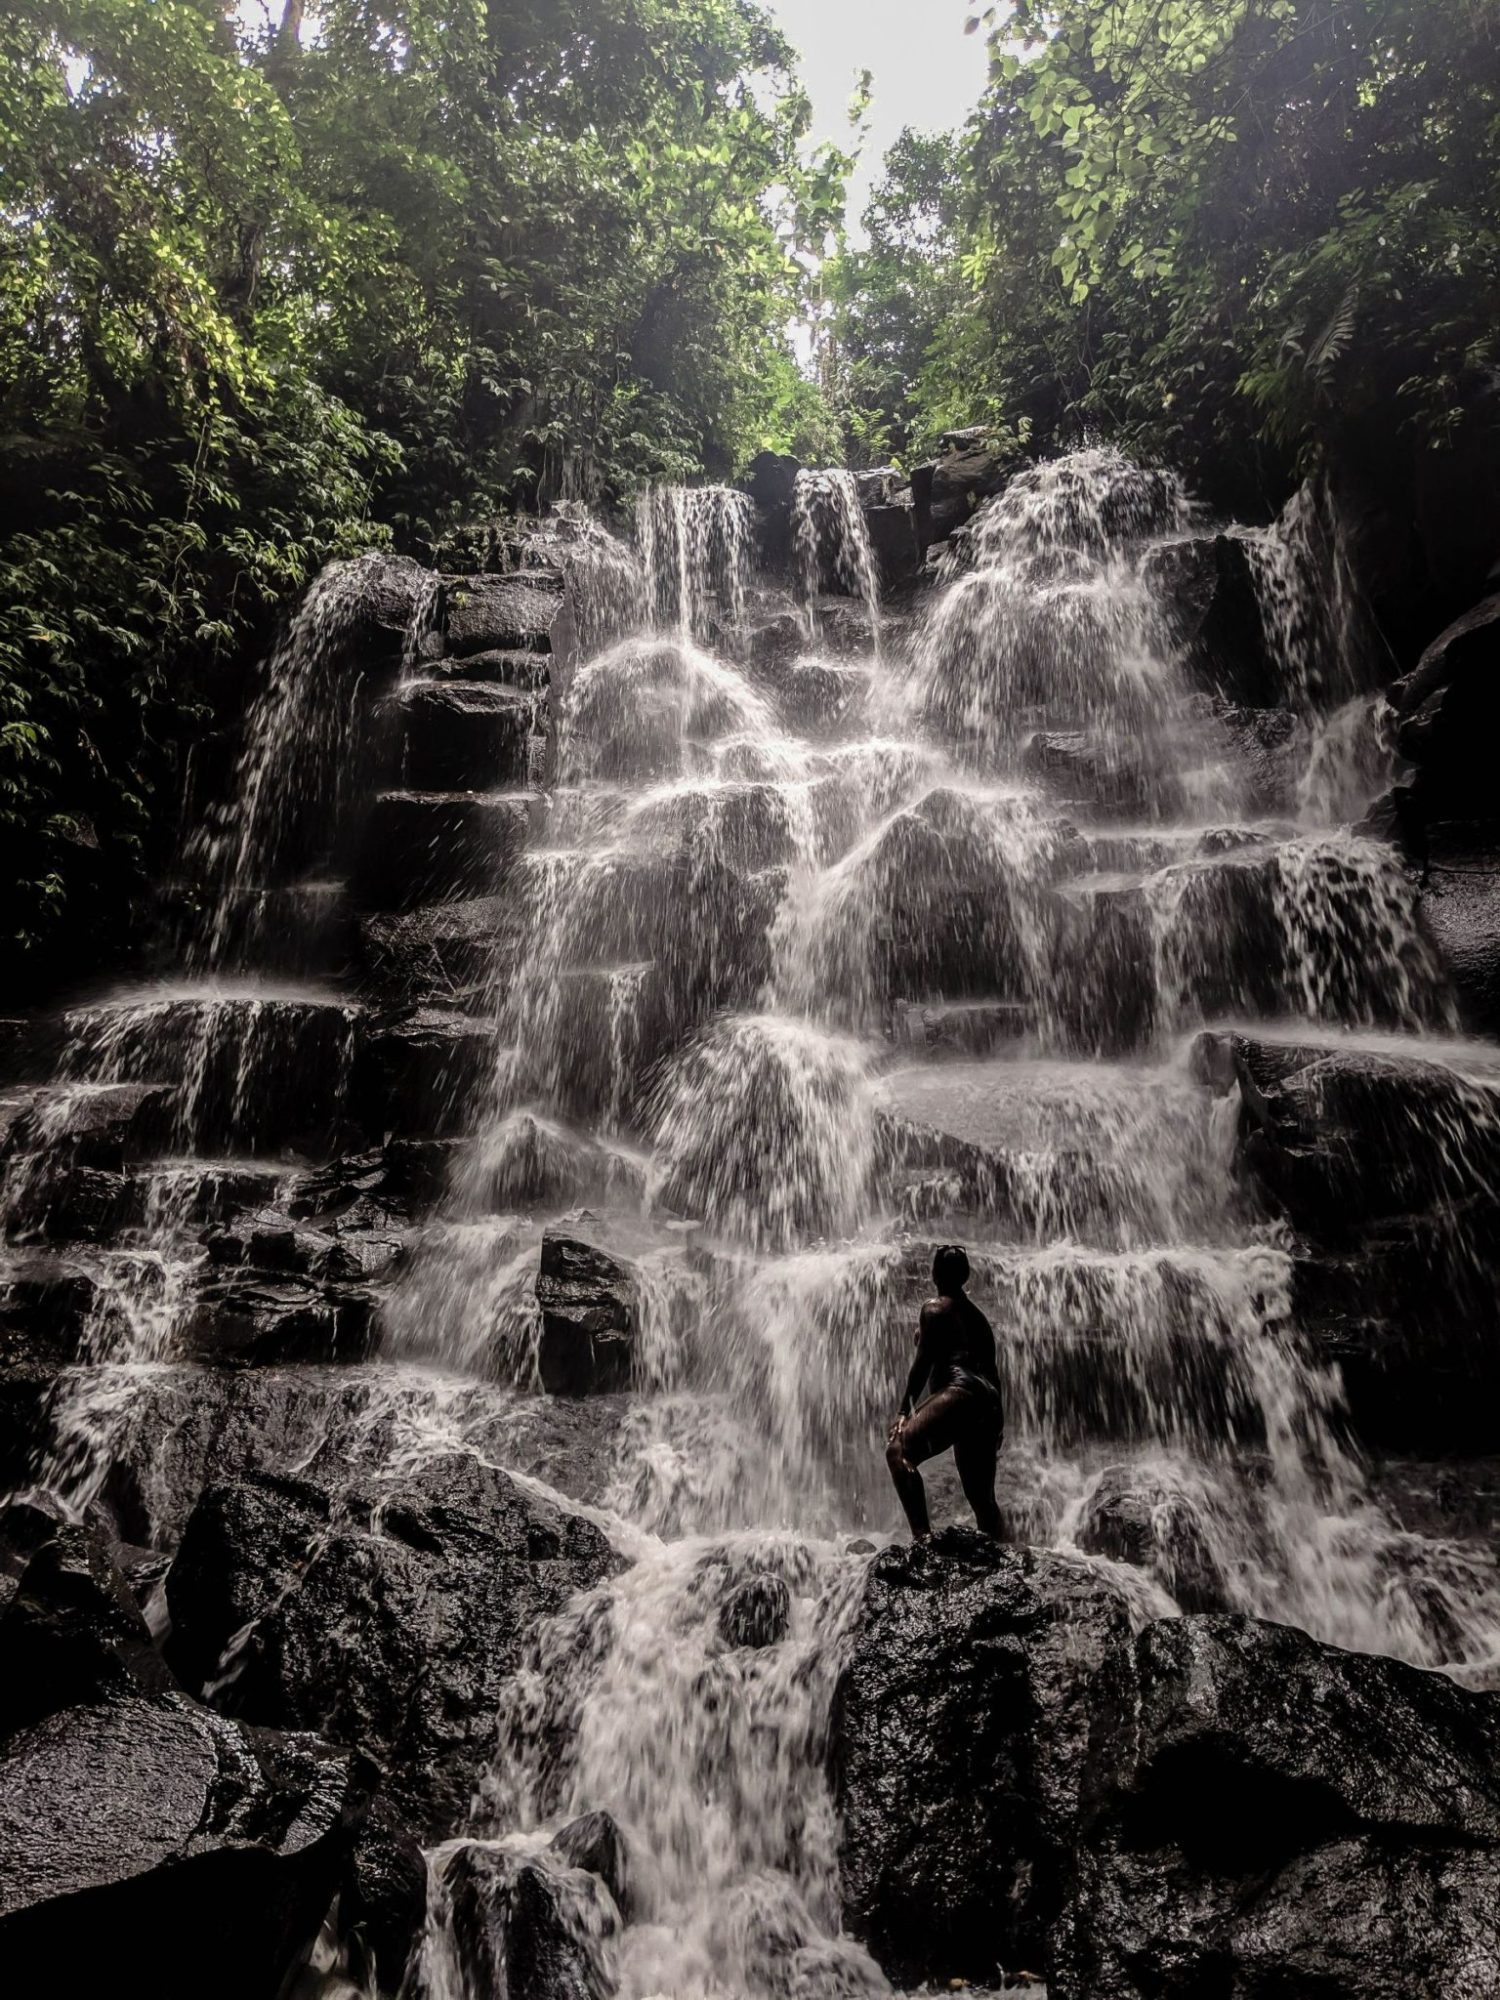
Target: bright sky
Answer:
[[928, 72]]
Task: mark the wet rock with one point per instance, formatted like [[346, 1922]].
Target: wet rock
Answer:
[[1266, 1815], [72, 1634], [1342, 1137], [1386, 1166], [886, 500], [421, 846], [1207, 588], [424, 1074], [771, 482], [520, 1928], [594, 1843], [149, 1817], [1448, 710], [844, 626], [383, 1893], [441, 950], [1459, 907], [49, 1307], [1156, 1528], [264, 1318], [389, 588], [464, 735], [1264, 748], [757, 1612], [946, 491], [270, 1241], [128, 1810], [508, 613], [389, 1610], [815, 694], [100, 1125], [588, 1302], [959, 1733], [196, 1425], [89, 1205]]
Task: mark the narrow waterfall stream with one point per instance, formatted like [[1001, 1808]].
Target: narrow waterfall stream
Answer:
[[777, 964]]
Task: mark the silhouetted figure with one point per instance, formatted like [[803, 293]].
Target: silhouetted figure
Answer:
[[956, 1362]]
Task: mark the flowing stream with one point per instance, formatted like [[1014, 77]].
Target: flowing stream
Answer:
[[814, 958]]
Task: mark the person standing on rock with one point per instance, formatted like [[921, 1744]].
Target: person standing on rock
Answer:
[[955, 1362]]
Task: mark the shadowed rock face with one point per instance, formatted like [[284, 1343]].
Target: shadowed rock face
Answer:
[[1266, 1816], [1386, 1167], [388, 1611], [960, 1728]]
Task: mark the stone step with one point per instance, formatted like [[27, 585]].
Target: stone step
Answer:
[[467, 735], [530, 673], [425, 1075], [422, 846], [251, 1069], [516, 613], [299, 930], [442, 951]]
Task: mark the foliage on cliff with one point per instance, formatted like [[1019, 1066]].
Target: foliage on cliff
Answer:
[[268, 293], [1207, 227]]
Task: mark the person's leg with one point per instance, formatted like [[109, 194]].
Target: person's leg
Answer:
[[974, 1454], [927, 1431]]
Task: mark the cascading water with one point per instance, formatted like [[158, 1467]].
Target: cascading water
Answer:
[[697, 546], [778, 988], [831, 545]]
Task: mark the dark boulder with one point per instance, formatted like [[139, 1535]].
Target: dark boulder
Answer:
[[422, 846], [388, 1611], [127, 1810], [1267, 1816], [885, 499], [757, 1612], [520, 1927], [72, 1634], [1343, 1137], [147, 1817], [90, 1125], [513, 613], [771, 482], [946, 491], [463, 735], [424, 1073], [383, 1893], [1459, 908], [588, 1303], [1206, 589], [439, 951], [1448, 712], [1387, 1168], [594, 1843], [1154, 1527], [960, 1726], [48, 1308], [265, 1317]]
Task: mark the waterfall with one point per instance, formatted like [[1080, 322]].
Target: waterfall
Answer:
[[697, 544], [754, 996], [831, 545]]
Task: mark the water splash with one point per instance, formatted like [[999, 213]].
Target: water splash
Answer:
[[711, 1756]]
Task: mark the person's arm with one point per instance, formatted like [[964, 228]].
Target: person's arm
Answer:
[[921, 1366]]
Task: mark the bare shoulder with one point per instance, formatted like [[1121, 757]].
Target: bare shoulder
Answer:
[[936, 1309]]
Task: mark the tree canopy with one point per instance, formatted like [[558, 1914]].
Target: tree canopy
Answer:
[[275, 288], [1210, 228]]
